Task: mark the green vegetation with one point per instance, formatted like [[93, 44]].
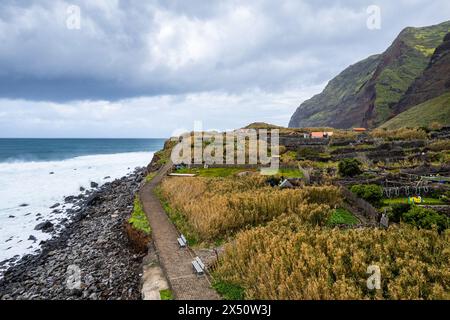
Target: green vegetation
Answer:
[[395, 80], [398, 67], [150, 176], [342, 216], [404, 200], [212, 172], [370, 192], [290, 173], [437, 109], [426, 218], [229, 291], [163, 155], [349, 167], [327, 105], [397, 211], [166, 294], [418, 216], [139, 219], [288, 157]]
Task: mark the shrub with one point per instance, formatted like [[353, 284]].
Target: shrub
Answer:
[[308, 152], [139, 219], [398, 210], [229, 291], [349, 167], [370, 192], [426, 218], [166, 294]]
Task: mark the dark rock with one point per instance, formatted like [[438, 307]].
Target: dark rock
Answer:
[[43, 274], [51, 172], [45, 226], [82, 189], [94, 184], [56, 205], [24, 205], [107, 177], [69, 199], [11, 216]]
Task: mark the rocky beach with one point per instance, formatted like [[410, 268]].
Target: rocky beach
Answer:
[[89, 256]]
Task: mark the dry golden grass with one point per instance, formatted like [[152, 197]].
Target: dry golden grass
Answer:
[[440, 145], [219, 207], [290, 260], [399, 134]]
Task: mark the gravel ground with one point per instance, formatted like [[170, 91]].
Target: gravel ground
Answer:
[[90, 258]]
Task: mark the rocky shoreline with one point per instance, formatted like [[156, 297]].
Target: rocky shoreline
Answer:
[[90, 258]]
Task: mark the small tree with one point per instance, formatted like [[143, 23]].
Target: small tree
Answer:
[[426, 218], [369, 192], [349, 167]]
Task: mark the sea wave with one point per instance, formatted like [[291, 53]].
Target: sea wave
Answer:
[[30, 188]]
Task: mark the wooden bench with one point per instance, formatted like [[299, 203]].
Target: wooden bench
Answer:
[[182, 241], [199, 266]]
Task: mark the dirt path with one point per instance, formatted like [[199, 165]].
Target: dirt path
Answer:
[[176, 262]]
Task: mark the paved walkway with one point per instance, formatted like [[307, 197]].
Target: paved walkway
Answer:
[[176, 262]]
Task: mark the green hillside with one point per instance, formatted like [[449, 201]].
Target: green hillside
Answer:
[[366, 93], [435, 110]]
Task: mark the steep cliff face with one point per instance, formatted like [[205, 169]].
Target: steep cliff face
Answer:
[[339, 97], [367, 93], [428, 98], [434, 82]]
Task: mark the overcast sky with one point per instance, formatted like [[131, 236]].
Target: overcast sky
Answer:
[[150, 68]]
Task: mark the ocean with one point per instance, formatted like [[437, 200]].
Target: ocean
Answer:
[[37, 173]]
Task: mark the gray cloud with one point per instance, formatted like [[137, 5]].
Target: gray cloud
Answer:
[[147, 68], [135, 48]]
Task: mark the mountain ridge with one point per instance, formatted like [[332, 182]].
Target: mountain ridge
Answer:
[[382, 80]]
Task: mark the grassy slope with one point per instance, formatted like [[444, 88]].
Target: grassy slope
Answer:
[[398, 76], [434, 110], [340, 97]]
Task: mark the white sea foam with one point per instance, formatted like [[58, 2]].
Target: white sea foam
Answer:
[[31, 183]]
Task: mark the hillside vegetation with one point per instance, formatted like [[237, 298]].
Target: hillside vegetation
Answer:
[[368, 93], [422, 115]]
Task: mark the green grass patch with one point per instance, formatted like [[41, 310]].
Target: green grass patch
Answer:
[[229, 291], [433, 110], [212, 172], [288, 156], [179, 220], [150, 176], [404, 200], [290, 173], [139, 219], [342, 216], [166, 294]]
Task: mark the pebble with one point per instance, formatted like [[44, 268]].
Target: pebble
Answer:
[[107, 268]]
